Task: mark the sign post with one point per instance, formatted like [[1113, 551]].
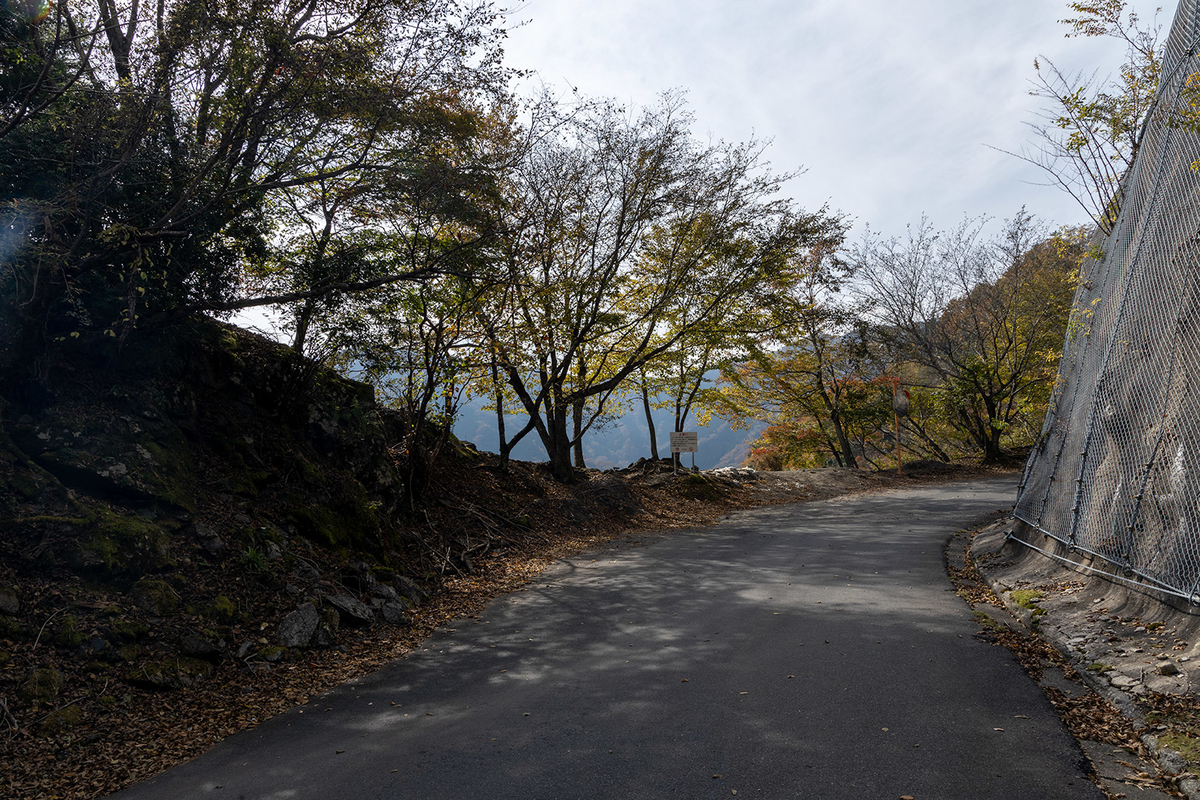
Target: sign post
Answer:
[[684, 442]]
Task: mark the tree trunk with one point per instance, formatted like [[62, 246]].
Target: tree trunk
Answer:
[[577, 409], [837, 454], [843, 441], [303, 319], [650, 424], [985, 436], [559, 446], [505, 447], [677, 458], [993, 453]]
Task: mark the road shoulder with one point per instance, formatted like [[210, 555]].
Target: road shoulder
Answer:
[[1119, 664]]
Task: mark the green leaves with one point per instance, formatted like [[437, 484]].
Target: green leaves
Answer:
[[1093, 130], [203, 135]]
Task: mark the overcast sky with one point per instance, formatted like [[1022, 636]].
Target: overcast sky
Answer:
[[888, 104]]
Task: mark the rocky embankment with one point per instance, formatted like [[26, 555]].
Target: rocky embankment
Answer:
[[198, 504]]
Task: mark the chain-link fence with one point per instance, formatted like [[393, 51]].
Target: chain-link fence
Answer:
[[1116, 473]]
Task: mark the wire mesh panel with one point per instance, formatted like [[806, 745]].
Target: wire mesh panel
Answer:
[[1116, 472]]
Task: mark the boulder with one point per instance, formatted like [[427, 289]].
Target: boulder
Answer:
[[304, 571], [385, 592], [393, 613], [351, 612], [210, 541], [409, 590], [298, 627], [358, 576], [323, 637], [122, 543], [199, 647], [144, 457]]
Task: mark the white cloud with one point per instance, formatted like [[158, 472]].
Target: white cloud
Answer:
[[889, 104]]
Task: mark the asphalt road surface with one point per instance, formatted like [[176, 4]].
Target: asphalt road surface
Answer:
[[804, 651]]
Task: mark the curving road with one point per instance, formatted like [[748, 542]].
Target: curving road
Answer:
[[805, 651]]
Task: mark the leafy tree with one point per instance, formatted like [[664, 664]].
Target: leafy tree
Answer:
[[815, 374], [1092, 128], [819, 393], [681, 378], [613, 224], [414, 343], [152, 150], [983, 318], [814, 417]]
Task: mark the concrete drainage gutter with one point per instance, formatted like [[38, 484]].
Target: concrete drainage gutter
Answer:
[[1124, 641]]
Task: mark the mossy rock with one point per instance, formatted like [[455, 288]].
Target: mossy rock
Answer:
[[26, 486], [237, 477], [131, 652], [127, 543], [1186, 746], [171, 471], [464, 451], [155, 596], [68, 636], [144, 457], [128, 630], [221, 608], [62, 721], [173, 672], [321, 525], [341, 527], [273, 653], [42, 686], [1028, 598], [308, 473], [14, 630]]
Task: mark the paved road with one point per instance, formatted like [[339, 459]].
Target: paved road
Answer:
[[808, 651]]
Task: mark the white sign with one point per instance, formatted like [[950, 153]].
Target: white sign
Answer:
[[685, 442]]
